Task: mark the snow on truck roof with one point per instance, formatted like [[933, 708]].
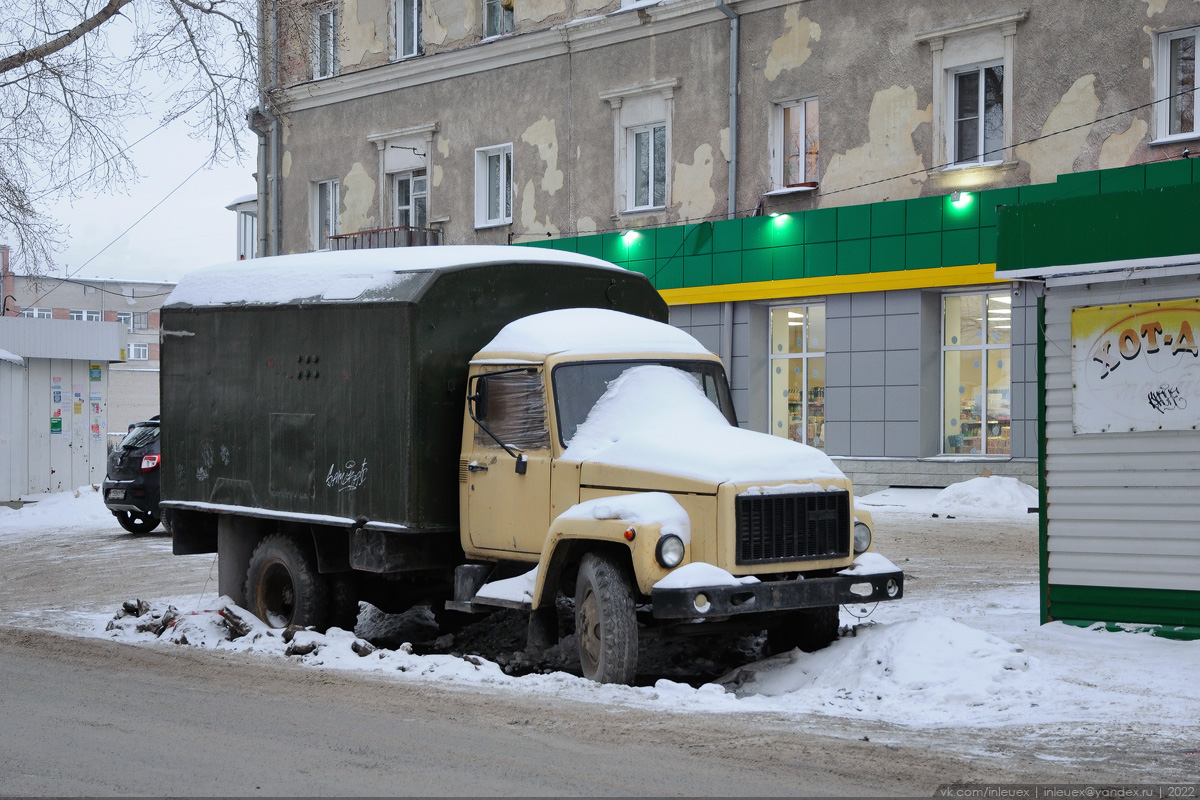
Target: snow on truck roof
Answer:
[[586, 331], [347, 274]]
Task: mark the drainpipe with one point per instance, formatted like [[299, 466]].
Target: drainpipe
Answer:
[[268, 139], [734, 29]]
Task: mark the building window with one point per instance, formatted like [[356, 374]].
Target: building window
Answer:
[[325, 43], [497, 17], [409, 39], [86, 315], [141, 321], [1177, 92], [647, 147], [325, 213], [247, 233], [795, 145], [798, 373], [976, 373], [411, 191], [138, 351], [125, 318], [37, 313], [493, 185], [977, 129]]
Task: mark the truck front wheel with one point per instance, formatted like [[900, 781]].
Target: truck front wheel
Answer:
[[809, 629], [283, 586], [605, 620]]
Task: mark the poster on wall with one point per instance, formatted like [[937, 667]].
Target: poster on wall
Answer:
[[1136, 367]]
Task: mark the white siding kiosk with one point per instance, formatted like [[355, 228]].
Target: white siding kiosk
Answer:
[[1120, 404], [55, 394]]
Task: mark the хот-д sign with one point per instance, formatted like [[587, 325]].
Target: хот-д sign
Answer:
[[1136, 367]]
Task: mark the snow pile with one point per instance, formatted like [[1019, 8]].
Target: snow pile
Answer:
[[347, 274], [10, 357], [990, 496], [515, 590], [926, 672], [698, 574], [657, 418], [584, 331], [870, 563], [83, 506]]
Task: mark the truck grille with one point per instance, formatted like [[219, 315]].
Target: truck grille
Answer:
[[792, 527]]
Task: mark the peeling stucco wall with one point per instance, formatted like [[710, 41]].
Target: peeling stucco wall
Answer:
[[889, 151], [1050, 156], [792, 49], [691, 187], [1119, 148], [358, 200], [1155, 7], [543, 135], [358, 43], [451, 20], [536, 10], [529, 220]]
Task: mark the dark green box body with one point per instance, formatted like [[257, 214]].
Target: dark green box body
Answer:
[[351, 409]]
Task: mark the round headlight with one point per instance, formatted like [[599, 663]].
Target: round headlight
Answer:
[[862, 537], [669, 551]]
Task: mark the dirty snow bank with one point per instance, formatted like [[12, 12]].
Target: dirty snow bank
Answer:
[[994, 495]]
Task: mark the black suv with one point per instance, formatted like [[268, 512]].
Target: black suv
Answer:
[[131, 488]]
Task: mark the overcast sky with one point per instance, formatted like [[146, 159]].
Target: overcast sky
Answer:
[[183, 231]]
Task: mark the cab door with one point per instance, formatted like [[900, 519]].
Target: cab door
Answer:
[[508, 472]]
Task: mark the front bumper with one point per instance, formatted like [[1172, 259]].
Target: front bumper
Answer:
[[132, 495], [704, 602]]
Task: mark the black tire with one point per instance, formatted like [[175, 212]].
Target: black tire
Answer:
[[810, 629], [605, 620], [283, 586], [136, 522]]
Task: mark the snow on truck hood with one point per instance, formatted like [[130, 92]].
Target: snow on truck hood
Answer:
[[656, 418], [585, 331], [346, 274]]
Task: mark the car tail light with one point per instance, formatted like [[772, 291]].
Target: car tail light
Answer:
[[150, 462]]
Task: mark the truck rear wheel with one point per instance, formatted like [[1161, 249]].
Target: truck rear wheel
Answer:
[[810, 629], [283, 586], [605, 620]]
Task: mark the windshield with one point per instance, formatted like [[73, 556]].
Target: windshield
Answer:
[[142, 434], [578, 386]]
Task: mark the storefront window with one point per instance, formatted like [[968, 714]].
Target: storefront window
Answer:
[[798, 373], [977, 376]]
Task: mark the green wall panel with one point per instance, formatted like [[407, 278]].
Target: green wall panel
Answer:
[[545, 244], [960, 247], [854, 222], [990, 199], [644, 267], [923, 215], [668, 242], [698, 239], [1038, 193], [887, 253], [961, 215], [1168, 173], [727, 235], [987, 245], [590, 246], [667, 273], [614, 248], [698, 270], [757, 232], [787, 263], [1079, 184], [757, 265], [923, 251], [820, 225], [854, 257], [1110, 604], [887, 219], [727, 268], [820, 260], [1124, 179]]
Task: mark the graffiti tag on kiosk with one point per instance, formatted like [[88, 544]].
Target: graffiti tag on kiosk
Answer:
[[1146, 340], [348, 477], [1167, 398]]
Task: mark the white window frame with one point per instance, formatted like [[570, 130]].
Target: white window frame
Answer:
[[247, 231], [986, 156], [85, 315], [805, 359], [138, 351], [503, 14], [37, 313], [978, 42], [778, 144], [322, 190], [141, 321], [411, 42], [984, 347], [126, 318], [325, 43], [502, 192], [632, 187], [1162, 83], [416, 213]]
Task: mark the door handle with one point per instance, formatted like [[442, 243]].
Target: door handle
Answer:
[[476, 467]]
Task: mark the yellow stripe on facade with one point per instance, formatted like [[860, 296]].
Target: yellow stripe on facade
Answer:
[[835, 284]]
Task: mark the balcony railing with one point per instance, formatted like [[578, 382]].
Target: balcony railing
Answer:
[[402, 236]]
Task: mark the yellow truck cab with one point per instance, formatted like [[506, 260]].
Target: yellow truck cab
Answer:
[[600, 449]]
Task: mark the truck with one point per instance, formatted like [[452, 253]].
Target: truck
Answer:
[[484, 427]]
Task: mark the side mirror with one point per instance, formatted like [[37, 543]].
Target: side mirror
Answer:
[[478, 399]]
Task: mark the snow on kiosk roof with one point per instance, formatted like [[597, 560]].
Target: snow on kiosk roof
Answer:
[[382, 275]]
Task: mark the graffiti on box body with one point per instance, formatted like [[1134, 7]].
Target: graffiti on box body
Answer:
[[348, 477]]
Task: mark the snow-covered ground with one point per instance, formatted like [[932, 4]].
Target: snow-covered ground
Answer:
[[956, 652]]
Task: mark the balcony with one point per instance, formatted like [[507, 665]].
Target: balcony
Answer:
[[402, 236]]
